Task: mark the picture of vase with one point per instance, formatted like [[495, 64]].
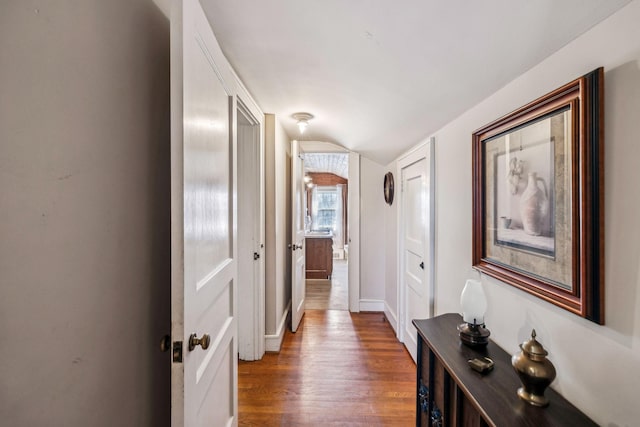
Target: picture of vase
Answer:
[[534, 205]]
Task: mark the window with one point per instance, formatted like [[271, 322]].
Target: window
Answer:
[[327, 202]]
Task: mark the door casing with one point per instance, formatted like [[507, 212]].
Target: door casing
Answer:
[[251, 228], [424, 151]]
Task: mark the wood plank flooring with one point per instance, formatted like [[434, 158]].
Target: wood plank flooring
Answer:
[[340, 368], [329, 294]]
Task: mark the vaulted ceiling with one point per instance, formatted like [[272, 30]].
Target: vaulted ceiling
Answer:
[[336, 163], [379, 76]]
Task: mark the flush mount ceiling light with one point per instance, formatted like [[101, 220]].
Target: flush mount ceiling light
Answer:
[[303, 120]]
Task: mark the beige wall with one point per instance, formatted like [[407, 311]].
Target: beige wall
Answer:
[[597, 365], [84, 213], [372, 236], [278, 276]]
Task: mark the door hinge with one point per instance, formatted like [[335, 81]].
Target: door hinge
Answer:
[[177, 352]]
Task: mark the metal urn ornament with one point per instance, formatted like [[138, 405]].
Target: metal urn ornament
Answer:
[[536, 372]]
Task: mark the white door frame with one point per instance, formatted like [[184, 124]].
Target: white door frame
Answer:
[[251, 230], [423, 151], [298, 247], [353, 216], [353, 221]]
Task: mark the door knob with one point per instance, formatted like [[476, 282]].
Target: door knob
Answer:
[[165, 343], [203, 342], [422, 265]]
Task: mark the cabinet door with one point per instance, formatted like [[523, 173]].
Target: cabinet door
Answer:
[[423, 392], [465, 414], [440, 395]]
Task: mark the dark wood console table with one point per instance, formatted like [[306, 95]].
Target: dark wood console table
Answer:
[[450, 393]]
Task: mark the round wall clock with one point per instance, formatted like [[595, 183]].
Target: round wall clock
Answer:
[[388, 188]]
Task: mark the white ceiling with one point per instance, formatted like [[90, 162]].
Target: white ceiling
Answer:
[[379, 76], [336, 163]]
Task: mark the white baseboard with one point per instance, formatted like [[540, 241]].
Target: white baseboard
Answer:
[[371, 305], [274, 342], [391, 317]]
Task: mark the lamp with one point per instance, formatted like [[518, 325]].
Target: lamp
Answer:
[[303, 120], [474, 305]]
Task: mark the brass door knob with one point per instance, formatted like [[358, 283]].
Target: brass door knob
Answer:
[[165, 343], [203, 342]]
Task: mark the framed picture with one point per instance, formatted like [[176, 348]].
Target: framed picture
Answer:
[[538, 197]]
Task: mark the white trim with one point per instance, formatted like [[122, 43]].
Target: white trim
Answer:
[[273, 342], [431, 238], [251, 272], [391, 317], [247, 99], [411, 153], [322, 147], [372, 305]]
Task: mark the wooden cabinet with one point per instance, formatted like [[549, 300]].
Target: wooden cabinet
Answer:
[[319, 257], [450, 393]]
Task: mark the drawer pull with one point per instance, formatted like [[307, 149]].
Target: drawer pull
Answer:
[[423, 396], [436, 417]]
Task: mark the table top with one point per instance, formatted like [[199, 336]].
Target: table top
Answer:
[[494, 393]]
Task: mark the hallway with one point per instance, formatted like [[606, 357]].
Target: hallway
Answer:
[[340, 368], [329, 295]]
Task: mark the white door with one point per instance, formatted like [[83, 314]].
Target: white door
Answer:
[[297, 236], [416, 250], [203, 218]]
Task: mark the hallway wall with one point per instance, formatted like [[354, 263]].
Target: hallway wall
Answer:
[[595, 364], [391, 251], [278, 235], [372, 235], [85, 215]]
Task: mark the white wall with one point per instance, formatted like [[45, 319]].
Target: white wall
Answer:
[[391, 251], [372, 236], [84, 213], [278, 276], [597, 365]]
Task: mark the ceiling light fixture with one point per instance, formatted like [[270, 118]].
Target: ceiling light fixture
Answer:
[[303, 120]]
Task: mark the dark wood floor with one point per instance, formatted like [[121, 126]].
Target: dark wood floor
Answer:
[[340, 368]]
